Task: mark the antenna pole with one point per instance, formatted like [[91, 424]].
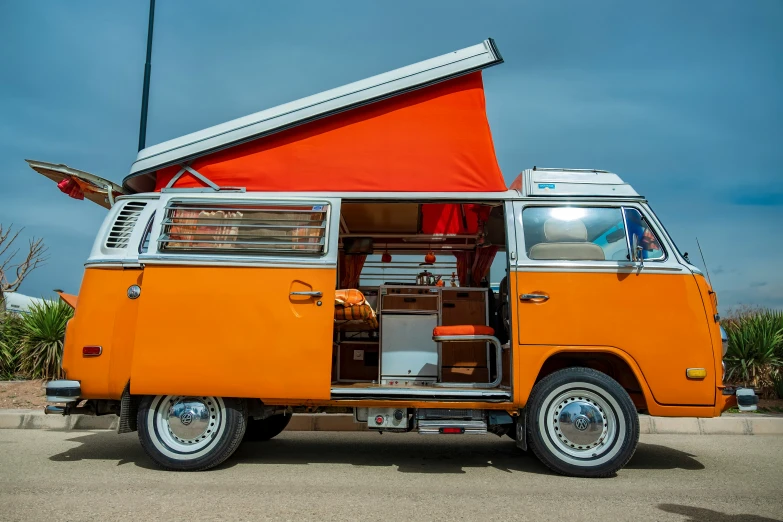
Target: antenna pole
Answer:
[[145, 97], [704, 262]]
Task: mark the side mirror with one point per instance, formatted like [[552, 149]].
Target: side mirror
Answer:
[[636, 250]]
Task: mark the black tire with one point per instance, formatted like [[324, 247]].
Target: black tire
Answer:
[[582, 423], [265, 429], [216, 426]]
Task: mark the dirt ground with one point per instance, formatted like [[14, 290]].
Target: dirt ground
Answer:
[[32, 395], [22, 394]]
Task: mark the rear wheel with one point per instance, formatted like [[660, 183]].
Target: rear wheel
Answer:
[[185, 433], [265, 429], [582, 423]]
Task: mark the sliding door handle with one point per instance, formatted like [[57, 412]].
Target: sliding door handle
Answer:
[[533, 297], [314, 293]]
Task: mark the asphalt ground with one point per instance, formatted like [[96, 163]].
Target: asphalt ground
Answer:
[[87, 475]]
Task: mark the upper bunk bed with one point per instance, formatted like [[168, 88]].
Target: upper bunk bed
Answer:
[[420, 128]]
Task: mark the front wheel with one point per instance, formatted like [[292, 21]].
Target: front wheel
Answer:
[[582, 423], [183, 433]]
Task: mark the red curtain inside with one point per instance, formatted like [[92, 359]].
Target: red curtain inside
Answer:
[[350, 269], [464, 265], [452, 218], [473, 266], [432, 139]]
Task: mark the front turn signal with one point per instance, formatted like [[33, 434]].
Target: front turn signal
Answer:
[[696, 373]]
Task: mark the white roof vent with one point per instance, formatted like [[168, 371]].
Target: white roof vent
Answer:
[[575, 182], [121, 230]]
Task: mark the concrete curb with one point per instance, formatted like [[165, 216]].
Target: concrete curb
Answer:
[[754, 424]]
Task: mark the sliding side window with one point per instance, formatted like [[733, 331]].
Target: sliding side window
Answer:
[[240, 228]]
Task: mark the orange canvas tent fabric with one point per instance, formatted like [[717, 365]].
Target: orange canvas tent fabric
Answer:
[[436, 138]]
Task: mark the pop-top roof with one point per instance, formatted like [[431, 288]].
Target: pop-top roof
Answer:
[[417, 119], [572, 183]]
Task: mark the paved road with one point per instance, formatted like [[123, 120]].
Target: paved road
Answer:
[[351, 476]]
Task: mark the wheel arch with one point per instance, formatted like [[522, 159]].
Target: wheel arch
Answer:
[[613, 363]]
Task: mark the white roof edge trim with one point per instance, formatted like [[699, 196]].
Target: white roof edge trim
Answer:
[[329, 102]]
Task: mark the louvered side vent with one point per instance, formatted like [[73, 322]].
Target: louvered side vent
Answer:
[[121, 230]]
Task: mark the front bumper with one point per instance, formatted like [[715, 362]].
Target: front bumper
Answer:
[[64, 394]]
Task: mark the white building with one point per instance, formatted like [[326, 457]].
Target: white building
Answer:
[[18, 303]]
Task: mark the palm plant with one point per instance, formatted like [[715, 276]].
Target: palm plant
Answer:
[[10, 333], [42, 340], [755, 353]]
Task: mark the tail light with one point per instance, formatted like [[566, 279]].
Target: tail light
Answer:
[[92, 351]]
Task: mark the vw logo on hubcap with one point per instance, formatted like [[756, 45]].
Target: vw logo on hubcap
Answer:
[[581, 423], [186, 418]]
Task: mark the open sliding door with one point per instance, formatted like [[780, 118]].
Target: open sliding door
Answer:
[[237, 298]]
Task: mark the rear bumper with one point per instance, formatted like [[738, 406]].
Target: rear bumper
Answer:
[[63, 392]]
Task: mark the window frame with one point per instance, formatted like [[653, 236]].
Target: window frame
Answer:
[[327, 257], [657, 235], [523, 259]]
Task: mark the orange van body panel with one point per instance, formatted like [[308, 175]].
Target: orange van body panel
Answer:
[[234, 332], [102, 319], [710, 300], [623, 314]]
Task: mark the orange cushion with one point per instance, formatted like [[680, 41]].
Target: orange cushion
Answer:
[[349, 297], [463, 329]]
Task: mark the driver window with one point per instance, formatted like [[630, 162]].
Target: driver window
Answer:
[[574, 233], [639, 227]]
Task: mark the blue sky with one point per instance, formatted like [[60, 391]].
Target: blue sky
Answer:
[[682, 99]]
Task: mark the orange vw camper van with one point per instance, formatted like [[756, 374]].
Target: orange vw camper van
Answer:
[[333, 253]]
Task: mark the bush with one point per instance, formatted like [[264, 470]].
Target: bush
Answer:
[[10, 333], [42, 339], [755, 354]]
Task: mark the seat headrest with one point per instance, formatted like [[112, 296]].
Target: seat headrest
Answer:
[[558, 230]]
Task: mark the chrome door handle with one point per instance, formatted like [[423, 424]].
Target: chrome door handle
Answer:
[[533, 297], [314, 293]]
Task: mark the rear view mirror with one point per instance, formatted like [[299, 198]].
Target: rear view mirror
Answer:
[[636, 250]]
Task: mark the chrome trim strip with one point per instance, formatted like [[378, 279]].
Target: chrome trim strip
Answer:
[[420, 392], [587, 267], [195, 260]]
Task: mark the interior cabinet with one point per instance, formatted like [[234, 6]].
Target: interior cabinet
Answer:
[[464, 307], [358, 361]]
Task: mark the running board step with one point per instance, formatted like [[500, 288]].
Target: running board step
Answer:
[[458, 427]]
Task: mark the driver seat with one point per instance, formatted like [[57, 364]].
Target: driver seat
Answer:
[[566, 241]]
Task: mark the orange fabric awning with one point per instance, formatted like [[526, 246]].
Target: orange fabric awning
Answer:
[[436, 138]]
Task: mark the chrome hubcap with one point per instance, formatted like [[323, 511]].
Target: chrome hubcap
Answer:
[[189, 419], [580, 423]]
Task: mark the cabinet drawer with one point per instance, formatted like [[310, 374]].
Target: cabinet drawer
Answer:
[[422, 290], [456, 294], [410, 302], [463, 312]]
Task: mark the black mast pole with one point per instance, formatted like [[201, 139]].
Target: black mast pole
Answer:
[[145, 97]]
